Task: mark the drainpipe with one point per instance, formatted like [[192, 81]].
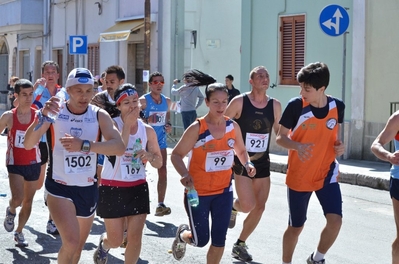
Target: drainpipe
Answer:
[[278, 46]]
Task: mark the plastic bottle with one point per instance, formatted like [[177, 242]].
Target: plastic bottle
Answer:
[[39, 89], [61, 96], [136, 160], [192, 197]]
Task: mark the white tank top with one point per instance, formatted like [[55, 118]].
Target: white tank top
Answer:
[[118, 170], [73, 168]]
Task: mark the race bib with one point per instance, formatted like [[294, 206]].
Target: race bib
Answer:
[[219, 160], [76, 162], [157, 118], [130, 172], [256, 142], [19, 139]]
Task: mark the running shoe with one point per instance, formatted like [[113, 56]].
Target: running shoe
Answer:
[[9, 220], [51, 228], [179, 246], [162, 210], [100, 255], [240, 252], [20, 240], [124, 242], [311, 261], [233, 217]]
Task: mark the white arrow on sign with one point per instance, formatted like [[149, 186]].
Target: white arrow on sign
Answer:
[[335, 25]]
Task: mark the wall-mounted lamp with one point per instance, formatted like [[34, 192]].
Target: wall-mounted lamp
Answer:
[[100, 7], [194, 38]]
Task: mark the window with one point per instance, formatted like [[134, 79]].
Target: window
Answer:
[[292, 49], [93, 52]]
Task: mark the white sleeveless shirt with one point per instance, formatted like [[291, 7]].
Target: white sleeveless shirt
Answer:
[[118, 170], [73, 168]]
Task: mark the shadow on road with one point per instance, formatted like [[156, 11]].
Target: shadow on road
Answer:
[[162, 229]]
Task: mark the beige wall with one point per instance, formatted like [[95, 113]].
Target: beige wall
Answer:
[[381, 70]]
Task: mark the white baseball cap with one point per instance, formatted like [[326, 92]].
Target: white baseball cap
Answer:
[[79, 76]]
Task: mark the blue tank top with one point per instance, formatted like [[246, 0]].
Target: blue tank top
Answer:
[[156, 117]]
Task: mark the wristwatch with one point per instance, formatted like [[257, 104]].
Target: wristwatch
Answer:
[[85, 146]]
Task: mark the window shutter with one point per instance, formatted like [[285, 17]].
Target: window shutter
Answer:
[[292, 54], [93, 59]]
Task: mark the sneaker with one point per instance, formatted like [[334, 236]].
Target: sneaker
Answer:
[[162, 210], [20, 239], [311, 261], [233, 217], [240, 252], [51, 228], [9, 220], [179, 246], [124, 242], [100, 255]]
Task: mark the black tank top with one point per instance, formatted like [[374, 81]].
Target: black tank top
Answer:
[[256, 127]]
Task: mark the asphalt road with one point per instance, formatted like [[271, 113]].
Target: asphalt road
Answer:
[[366, 235]]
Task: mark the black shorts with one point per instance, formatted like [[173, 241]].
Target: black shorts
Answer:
[[262, 170], [116, 202], [43, 152], [84, 198], [29, 172]]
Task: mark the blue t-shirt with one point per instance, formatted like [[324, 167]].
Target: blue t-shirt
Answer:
[[156, 117]]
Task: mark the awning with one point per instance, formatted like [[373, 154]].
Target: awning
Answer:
[[121, 30]]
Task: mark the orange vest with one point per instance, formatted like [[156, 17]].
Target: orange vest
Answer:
[[322, 167], [211, 160]]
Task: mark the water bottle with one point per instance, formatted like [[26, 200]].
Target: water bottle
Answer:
[[135, 159], [192, 197], [39, 89], [61, 96]]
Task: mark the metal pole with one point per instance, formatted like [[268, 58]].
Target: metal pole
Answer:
[[147, 39], [342, 136]]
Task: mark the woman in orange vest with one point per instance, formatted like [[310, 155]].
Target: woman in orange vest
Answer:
[[210, 142]]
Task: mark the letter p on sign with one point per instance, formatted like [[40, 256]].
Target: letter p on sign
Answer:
[[77, 44]]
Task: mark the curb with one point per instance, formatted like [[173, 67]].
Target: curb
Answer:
[[345, 177]]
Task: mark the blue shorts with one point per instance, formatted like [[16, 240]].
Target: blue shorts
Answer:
[[100, 159], [219, 206], [29, 172], [394, 188], [329, 197], [84, 198]]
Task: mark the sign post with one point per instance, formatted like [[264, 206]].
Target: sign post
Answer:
[[77, 45], [334, 21]]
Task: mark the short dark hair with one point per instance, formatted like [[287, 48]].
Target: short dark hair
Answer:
[[51, 63], [314, 74], [230, 77], [118, 70], [22, 84], [154, 74]]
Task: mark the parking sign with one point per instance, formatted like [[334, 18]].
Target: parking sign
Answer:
[[77, 44]]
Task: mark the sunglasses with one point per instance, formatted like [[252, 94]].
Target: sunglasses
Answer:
[[157, 82]]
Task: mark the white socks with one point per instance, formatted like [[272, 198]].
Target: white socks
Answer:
[[317, 256]]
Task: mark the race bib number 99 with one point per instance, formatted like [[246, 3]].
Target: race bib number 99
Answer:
[[219, 160], [76, 162], [256, 142]]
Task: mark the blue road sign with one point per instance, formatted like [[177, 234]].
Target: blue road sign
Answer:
[[334, 20], [77, 44]]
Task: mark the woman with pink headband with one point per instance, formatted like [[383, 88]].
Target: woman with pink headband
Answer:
[[124, 179]]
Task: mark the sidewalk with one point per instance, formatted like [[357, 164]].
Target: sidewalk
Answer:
[[357, 172]]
